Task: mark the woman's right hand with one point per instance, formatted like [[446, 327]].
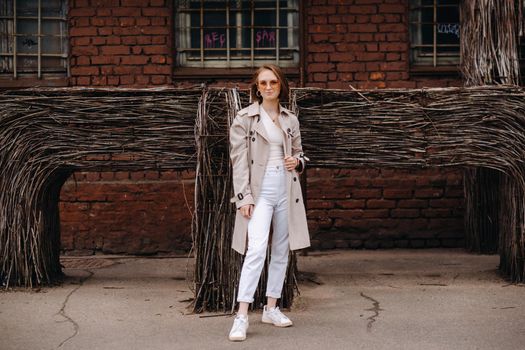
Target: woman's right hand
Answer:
[[247, 210]]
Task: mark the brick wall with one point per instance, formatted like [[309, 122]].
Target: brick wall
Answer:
[[124, 43], [127, 212], [363, 43], [385, 208]]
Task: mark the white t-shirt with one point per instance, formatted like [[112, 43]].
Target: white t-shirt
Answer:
[[275, 136]]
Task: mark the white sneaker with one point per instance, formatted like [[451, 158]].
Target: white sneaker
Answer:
[[239, 328], [275, 316]]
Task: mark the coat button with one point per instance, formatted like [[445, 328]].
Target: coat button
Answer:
[[253, 139], [240, 196], [294, 178], [297, 200], [252, 161], [288, 130], [251, 132]]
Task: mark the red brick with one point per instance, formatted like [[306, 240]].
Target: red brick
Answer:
[[126, 11], [377, 19], [350, 203], [392, 47], [351, 67], [126, 70], [428, 193], [362, 9], [155, 12], [115, 50], [84, 71], [375, 213], [362, 28], [391, 193], [320, 67], [377, 76], [105, 31], [412, 203], [97, 21], [391, 8], [137, 60], [83, 61], [81, 12], [370, 56], [405, 213], [155, 30], [157, 69], [392, 28], [97, 40], [158, 79], [82, 31], [131, 3], [366, 193], [380, 203], [447, 203], [341, 57], [155, 49]]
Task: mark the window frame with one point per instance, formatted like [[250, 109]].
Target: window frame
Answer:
[[432, 67], [36, 77], [212, 73]]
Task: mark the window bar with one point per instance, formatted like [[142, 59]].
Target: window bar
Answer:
[[202, 32], [238, 23], [291, 28], [228, 33], [434, 46], [252, 52], [14, 39], [39, 40], [277, 32]]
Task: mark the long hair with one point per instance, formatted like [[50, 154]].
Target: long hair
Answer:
[[283, 95]]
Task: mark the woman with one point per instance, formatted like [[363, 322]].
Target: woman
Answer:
[[267, 157]]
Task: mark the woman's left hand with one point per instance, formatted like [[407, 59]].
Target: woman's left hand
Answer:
[[290, 163]]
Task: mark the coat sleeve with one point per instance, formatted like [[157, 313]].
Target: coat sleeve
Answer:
[[239, 158], [297, 147]]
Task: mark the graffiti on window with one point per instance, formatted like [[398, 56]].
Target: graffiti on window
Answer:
[[448, 28], [214, 40], [265, 38]]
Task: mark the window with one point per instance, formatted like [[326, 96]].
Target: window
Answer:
[[237, 33], [434, 32], [33, 38]]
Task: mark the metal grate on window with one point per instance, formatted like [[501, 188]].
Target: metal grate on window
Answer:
[[434, 32], [33, 37], [237, 33]]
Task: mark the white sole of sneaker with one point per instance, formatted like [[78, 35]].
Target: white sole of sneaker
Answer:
[[237, 338], [288, 324]]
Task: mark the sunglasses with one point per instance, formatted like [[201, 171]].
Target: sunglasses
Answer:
[[272, 83]]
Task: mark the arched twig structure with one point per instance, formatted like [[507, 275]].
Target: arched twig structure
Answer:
[[45, 135], [478, 127]]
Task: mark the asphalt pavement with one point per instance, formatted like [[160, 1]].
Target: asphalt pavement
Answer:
[[349, 299]]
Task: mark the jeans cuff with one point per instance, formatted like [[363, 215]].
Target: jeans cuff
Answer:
[[271, 295], [245, 301]]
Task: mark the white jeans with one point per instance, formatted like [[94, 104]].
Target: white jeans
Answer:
[[271, 202]]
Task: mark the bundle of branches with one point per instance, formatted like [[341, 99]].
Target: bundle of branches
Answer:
[[47, 134], [479, 127], [490, 31], [217, 267]]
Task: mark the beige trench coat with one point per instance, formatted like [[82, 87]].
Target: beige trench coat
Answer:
[[249, 149]]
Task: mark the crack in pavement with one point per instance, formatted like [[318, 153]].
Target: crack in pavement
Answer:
[[62, 311], [374, 309]]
